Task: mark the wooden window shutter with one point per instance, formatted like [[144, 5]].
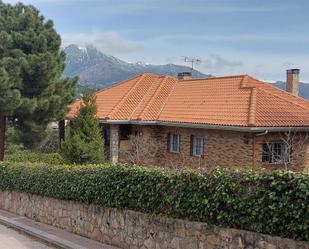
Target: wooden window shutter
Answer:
[[179, 143], [191, 145], [168, 139]]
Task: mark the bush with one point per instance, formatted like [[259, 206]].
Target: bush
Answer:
[[20, 156], [269, 202], [51, 143], [48, 145], [12, 144]]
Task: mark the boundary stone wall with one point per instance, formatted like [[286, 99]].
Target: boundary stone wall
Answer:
[[134, 230]]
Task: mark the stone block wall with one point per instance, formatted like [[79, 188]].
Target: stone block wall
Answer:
[[134, 230], [221, 148], [114, 143]]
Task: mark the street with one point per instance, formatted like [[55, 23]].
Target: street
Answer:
[[11, 239]]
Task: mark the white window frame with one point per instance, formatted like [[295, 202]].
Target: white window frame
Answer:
[[172, 137], [194, 146]]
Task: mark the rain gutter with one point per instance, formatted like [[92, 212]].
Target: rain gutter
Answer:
[[256, 129]]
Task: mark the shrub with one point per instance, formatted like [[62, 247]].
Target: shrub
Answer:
[[20, 156], [12, 144], [51, 143], [269, 202]]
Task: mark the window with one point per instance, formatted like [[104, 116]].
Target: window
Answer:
[[174, 143], [276, 153], [197, 146], [125, 132]]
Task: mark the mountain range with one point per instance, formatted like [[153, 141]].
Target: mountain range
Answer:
[[303, 88], [94, 67], [100, 70]]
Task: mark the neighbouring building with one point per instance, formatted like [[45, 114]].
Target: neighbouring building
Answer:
[[232, 121]]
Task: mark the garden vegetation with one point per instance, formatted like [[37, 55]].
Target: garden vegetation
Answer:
[[84, 143], [33, 91], [275, 203]]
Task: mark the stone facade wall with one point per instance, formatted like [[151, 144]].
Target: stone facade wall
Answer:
[[223, 148], [133, 230], [114, 143]]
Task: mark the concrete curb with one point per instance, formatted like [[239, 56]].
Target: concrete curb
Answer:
[[33, 229], [35, 233]]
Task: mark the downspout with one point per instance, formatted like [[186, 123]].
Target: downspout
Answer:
[[253, 150], [254, 144]]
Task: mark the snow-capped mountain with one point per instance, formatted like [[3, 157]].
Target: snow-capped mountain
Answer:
[[101, 70], [94, 67]]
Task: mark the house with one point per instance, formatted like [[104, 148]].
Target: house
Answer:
[[232, 121]]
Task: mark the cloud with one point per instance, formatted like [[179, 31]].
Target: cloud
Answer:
[[217, 63], [256, 37], [269, 81], [183, 6], [108, 42], [287, 64], [112, 42]]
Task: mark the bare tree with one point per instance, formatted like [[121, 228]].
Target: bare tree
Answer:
[[180, 163], [137, 154], [288, 147], [146, 151]]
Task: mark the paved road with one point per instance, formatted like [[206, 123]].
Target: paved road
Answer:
[[11, 239], [53, 235]]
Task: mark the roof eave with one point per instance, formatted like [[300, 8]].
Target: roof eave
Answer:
[[212, 127]]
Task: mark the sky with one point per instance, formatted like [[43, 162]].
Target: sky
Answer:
[[262, 38]]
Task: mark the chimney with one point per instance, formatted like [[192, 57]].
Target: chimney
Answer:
[[292, 81], [184, 76]]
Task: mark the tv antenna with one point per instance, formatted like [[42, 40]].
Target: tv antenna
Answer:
[[193, 61]]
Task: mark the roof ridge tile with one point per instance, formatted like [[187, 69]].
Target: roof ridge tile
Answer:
[[244, 82], [126, 96], [117, 84], [252, 107], [152, 99], [174, 85], [214, 77], [145, 95]]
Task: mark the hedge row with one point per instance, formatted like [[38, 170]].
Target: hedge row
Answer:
[[274, 203]]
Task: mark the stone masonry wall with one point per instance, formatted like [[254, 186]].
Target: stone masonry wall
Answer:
[[114, 143], [221, 148], [133, 230]]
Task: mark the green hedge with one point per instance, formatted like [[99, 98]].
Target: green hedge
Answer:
[[269, 202]]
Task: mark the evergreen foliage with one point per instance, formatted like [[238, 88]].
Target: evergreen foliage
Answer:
[[22, 156], [274, 203], [32, 91], [84, 144]]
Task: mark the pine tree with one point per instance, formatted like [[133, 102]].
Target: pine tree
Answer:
[[9, 100], [31, 73], [84, 144]]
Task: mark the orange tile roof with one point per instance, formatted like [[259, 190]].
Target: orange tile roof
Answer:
[[229, 101]]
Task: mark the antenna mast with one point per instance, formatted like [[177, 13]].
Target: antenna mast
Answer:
[[193, 61]]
